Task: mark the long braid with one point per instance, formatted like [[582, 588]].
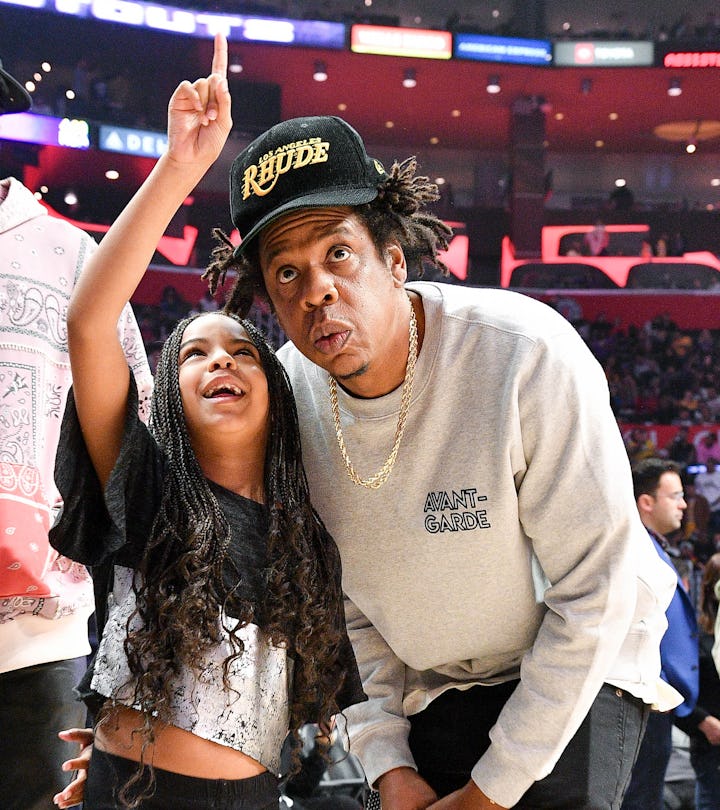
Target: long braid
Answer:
[[301, 560]]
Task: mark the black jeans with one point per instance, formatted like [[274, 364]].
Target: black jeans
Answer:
[[451, 734], [35, 703], [647, 786], [108, 773]]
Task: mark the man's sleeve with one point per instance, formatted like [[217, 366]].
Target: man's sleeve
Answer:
[[576, 506], [378, 728]]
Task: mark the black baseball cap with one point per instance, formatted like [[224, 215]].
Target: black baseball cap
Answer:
[[300, 163], [14, 98]]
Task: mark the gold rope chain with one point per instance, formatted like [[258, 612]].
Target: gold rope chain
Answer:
[[380, 477]]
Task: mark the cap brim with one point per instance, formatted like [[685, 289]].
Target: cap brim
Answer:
[[319, 199], [14, 98]]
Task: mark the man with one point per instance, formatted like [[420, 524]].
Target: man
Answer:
[[680, 448], [707, 447], [504, 601], [660, 502], [45, 600]]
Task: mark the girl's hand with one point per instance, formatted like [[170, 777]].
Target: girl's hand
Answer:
[[74, 792], [199, 120]]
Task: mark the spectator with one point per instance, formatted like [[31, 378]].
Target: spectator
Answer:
[[597, 240], [173, 307], [648, 401], [628, 399], [690, 403], [659, 495], [707, 446], [661, 245], [639, 445], [575, 248], [682, 28], [713, 403], [680, 448], [681, 345], [705, 341], [677, 244]]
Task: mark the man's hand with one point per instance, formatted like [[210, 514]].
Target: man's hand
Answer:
[[73, 793], [404, 789], [710, 727], [469, 797]]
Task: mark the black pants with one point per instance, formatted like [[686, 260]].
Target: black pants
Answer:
[[35, 703], [107, 775], [451, 734], [647, 785]]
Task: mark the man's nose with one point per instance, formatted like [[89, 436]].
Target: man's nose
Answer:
[[320, 289]]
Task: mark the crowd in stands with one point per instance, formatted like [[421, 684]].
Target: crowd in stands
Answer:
[[658, 373]]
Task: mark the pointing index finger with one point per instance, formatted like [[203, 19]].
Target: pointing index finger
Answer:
[[220, 56]]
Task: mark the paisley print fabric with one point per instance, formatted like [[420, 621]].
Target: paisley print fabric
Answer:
[[40, 259]]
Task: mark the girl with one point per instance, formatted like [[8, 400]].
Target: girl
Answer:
[[217, 586]]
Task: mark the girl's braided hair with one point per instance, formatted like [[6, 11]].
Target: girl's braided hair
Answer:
[[399, 213], [182, 583]]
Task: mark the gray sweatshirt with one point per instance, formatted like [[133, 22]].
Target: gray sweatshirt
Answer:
[[506, 535]]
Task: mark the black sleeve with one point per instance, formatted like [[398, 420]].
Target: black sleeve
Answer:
[[94, 526], [689, 724], [352, 689]]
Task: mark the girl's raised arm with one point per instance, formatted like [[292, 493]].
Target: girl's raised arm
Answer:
[[198, 125]]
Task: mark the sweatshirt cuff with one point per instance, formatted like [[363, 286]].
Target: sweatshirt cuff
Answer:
[[500, 779], [382, 748]]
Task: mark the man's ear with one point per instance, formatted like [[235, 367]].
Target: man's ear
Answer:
[[645, 503], [397, 263]]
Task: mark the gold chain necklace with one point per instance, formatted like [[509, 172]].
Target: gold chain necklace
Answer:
[[380, 477]]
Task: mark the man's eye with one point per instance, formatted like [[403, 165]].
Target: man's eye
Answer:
[[339, 254], [286, 274]]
